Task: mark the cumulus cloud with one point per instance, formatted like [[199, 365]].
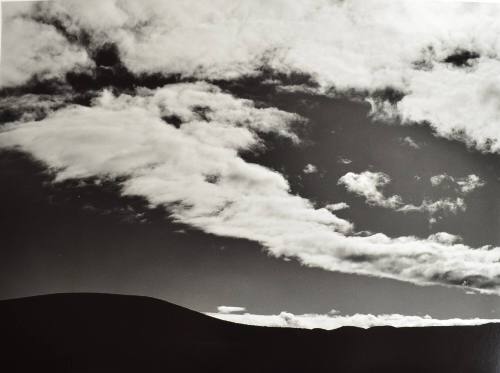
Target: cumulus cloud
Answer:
[[192, 167], [367, 184], [230, 309], [310, 169], [329, 321]]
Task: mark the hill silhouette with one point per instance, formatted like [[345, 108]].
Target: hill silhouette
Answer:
[[116, 333]]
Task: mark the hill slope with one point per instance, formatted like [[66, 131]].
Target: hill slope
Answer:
[[115, 333]]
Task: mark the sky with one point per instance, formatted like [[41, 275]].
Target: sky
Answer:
[[327, 155]]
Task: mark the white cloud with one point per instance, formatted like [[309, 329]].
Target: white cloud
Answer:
[[470, 183], [343, 160], [438, 179], [329, 321], [445, 238], [473, 93], [433, 207], [234, 38], [410, 142], [310, 169], [35, 49], [337, 206], [230, 309], [464, 185], [195, 171], [367, 184], [360, 45], [366, 46]]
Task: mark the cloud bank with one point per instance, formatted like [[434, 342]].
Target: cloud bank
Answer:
[[329, 321], [422, 61]]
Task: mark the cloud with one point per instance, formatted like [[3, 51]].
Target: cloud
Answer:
[[447, 205], [473, 91], [463, 185], [343, 160], [32, 49], [438, 179], [337, 206], [191, 166], [367, 184], [310, 169], [439, 59], [31, 107], [470, 183], [410, 142], [445, 238], [329, 321], [230, 309]]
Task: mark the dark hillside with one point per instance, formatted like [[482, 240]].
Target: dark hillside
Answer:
[[115, 333]]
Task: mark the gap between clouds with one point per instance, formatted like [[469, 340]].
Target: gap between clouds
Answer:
[[195, 171]]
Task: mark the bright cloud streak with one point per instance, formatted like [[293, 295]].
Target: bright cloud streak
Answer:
[[230, 309], [329, 321]]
